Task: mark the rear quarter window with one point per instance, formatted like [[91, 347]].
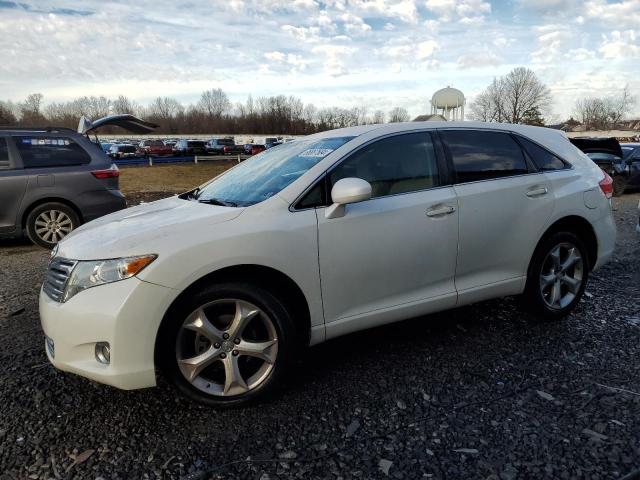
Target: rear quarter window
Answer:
[[50, 152], [542, 158]]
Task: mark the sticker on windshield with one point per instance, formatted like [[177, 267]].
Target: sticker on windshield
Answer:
[[316, 152]]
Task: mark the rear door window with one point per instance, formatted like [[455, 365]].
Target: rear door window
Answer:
[[4, 154], [483, 155], [40, 152], [543, 159], [399, 164]]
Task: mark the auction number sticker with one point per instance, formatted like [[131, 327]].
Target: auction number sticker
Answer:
[[316, 152], [61, 142]]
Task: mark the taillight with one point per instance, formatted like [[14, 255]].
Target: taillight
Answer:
[[111, 172], [606, 185]]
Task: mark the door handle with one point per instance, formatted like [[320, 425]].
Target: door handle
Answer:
[[537, 192], [442, 210]]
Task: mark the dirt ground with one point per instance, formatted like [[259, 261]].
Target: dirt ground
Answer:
[[175, 178]]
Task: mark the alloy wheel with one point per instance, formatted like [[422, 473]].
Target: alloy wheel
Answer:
[[53, 225], [227, 347], [562, 275]]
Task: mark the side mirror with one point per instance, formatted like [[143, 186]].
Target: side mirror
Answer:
[[345, 191]]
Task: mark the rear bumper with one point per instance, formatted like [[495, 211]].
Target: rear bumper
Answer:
[[605, 230], [126, 314], [99, 203]]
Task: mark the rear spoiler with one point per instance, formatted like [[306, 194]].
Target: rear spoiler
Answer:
[[598, 145], [126, 121]]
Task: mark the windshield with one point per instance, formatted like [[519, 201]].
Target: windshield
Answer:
[[195, 144], [266, 174]]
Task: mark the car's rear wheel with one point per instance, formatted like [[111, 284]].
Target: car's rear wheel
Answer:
[[557, 275], [227, 345], [49, 223]]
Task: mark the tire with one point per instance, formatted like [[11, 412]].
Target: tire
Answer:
[[546, 276], [619, 185], [49, 223], [178, 346]]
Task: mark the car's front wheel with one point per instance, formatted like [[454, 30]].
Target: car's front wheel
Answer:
[[557, 275], [49, 223], [227, 345]]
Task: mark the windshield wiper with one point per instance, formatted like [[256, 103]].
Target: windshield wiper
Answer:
[[217, 201]]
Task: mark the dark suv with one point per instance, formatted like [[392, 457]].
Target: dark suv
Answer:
[[51, 181]]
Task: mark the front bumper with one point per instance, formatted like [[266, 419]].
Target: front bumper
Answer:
[[127, 314]]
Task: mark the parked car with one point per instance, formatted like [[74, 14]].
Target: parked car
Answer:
[[105, 147], [154, 148], [340, 231], [607, 154], [170, 143], [272, 144], [51, 181], [631, 155], [121, 150], [223, 146], [247, 148], [256, 149], [190, 147]]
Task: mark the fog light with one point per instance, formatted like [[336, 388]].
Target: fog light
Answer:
[[103, 352], [50, 347]]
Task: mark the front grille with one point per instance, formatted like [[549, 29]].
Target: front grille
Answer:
[[57, 276]]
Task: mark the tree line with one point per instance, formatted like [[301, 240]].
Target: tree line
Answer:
[[517, 97], [214, 112], [520, 97]]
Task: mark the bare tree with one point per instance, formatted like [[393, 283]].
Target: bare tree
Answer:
[[30, 109], [214, 102], [7, 115], [603, 113], [122, 104], [165, 107], [512, 98], [398, 114], [378, 116]]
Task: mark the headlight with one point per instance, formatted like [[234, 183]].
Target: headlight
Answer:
[[91, 273]]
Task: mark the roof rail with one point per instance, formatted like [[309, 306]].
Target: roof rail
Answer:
[[36, 129]]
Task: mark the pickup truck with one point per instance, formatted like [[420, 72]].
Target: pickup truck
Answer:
[[154, 148], [222, 146]]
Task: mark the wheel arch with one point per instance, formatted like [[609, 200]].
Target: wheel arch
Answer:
[[581, 228], [268, 278], [42, 201]]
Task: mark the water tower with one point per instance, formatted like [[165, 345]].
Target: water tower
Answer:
[[448, 102]]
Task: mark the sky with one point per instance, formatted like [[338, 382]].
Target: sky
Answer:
[[373, 53]]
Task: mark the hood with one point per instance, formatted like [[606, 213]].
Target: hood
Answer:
[[143, 229], [126, 121], [598, 145]]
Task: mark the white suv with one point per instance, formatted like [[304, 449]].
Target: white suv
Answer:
[[333, 233]]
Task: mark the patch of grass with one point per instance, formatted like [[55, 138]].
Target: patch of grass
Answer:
[[175, 178]]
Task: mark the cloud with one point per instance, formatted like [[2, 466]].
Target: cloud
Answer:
[[482, 58], [468, 12], [551, 40], [620, 45], [391, 52]]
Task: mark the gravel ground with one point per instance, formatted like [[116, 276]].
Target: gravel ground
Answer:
[[485, 392]]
